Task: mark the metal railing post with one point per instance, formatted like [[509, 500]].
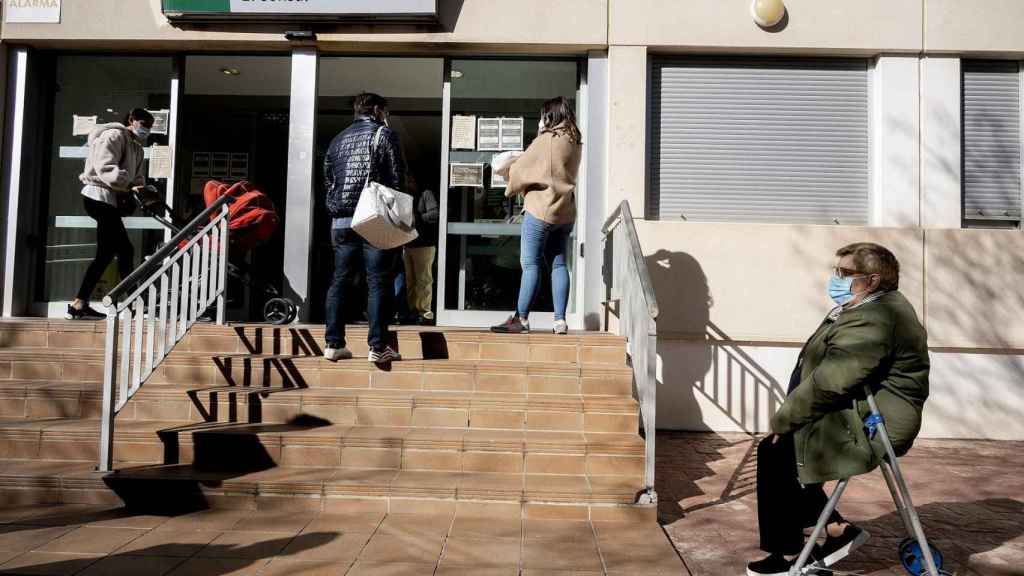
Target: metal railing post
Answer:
[[106, 463], [630, 285], [137, 343], [222, 269]]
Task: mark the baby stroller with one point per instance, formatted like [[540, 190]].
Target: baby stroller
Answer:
[[252, 220]]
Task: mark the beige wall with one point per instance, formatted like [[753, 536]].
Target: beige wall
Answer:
[[758, 282], [529, 24], [767, 283], [975, 289], [870, 26], [627, 127], [974, 26]]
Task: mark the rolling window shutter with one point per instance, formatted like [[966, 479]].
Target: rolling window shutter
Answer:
[[991, 140], [759, 140]]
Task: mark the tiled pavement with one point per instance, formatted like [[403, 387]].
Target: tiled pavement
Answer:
[[93, 541], [970, 496]]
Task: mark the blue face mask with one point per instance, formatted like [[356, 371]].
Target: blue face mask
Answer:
[[142, 132], [840, 289]]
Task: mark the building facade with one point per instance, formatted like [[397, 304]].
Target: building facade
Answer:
[[750, 155]]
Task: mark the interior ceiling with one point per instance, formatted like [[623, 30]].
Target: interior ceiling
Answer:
[[271, 76], [390, 77]]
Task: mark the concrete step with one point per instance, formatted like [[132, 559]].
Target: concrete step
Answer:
[[309, 442], [413, 342], [196, 369], [32, 399], [460, 409], [170, 487]]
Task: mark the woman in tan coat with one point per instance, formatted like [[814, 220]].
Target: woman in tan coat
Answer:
[[546, 176]]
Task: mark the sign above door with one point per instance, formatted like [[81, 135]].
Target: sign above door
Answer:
[[300, 9]]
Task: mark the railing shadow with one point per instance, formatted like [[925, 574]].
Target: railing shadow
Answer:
[[164, 557]]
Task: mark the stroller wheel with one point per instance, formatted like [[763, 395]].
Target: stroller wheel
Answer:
[[913, 560], [279, 311]]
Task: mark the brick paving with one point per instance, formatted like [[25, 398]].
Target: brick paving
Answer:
[[97, 541], [970, 495]]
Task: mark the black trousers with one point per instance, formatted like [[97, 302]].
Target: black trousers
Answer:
[[784, 506], [111, 241]]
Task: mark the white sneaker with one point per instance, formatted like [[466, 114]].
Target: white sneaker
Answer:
[[560, 327], [335, 354], [384, 356]]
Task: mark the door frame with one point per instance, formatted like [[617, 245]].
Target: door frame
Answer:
[[483, 318]]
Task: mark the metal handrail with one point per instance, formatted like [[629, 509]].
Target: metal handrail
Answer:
[[623, 214], [630, 285], [154, 261], [176, 286]]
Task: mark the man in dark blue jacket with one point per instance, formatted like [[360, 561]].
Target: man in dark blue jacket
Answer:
[[355, 156]]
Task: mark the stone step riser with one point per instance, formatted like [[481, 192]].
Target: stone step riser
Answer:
[[334, 499], [366, 413], [314, 373], [584, 350], [219, 452]]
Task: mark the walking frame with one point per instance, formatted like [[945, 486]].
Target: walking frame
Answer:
[[918, 560]]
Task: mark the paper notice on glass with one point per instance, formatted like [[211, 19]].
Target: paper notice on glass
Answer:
[[463, 132], [161, 120], [82, 125], [489, 134], [498, 180], [159, 162], [469, 174], [511, 133]]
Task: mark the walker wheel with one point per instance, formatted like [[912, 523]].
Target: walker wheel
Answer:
[[913, 560], [279, 311]]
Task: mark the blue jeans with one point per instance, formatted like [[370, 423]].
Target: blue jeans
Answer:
[[351, 250], [543, 244]]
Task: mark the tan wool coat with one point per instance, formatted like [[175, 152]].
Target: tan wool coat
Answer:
[[546, 176]]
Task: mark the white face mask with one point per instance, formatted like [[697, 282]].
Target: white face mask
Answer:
[[541, 126]]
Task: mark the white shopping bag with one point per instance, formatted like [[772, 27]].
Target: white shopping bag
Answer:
[[502, 163], [384, 217]]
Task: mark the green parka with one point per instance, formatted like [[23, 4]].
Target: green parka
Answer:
[[880, 344]]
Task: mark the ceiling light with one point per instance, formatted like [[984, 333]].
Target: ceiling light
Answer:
[[230, 71], [456, 74], [767, 13]]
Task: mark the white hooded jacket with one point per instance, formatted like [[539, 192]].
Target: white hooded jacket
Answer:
[[114, 164]]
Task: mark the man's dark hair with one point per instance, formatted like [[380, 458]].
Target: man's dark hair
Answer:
[[368, 103], [140, 114], [871, 258]]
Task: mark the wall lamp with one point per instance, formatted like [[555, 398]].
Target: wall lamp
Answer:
[[767, 13]]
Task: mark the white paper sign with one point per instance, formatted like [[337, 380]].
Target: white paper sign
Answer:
[[463, 132], [160, 162], [469, 174], [161, 118], [32, 11], [489, 134], [511, 133], [83, 125]]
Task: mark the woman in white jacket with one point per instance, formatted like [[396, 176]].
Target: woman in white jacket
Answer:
[[113, 170]]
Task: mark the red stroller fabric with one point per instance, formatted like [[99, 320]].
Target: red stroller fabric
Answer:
[[252, 217]]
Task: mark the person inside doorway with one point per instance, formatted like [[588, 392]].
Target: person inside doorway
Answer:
[[545, 175], [418, 255], [113, 171], [871, 338], [354, 156]]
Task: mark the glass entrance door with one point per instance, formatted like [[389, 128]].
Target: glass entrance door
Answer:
[[491, 106]]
